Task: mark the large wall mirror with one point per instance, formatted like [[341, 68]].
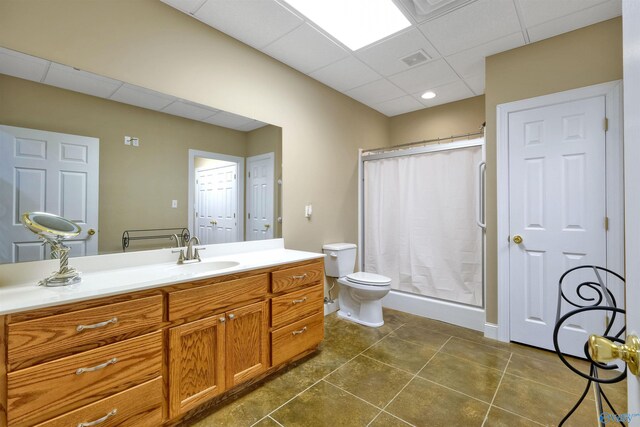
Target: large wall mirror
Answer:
[[114, 157]]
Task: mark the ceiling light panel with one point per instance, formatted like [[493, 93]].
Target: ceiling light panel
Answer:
[[355, 23]]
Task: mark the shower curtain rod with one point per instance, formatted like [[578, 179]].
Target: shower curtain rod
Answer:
[[426, 141]]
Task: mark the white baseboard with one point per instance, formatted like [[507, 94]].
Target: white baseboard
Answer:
[[456, 314], [491, 331], [330, 307]]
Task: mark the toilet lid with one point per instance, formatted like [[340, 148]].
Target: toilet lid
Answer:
[[368, 279]]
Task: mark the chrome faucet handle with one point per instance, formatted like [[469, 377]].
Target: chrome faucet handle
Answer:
[[181, 256], [196, 252]]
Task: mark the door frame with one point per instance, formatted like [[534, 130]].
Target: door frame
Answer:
[[192, 186], [271, 156], [612, 91]]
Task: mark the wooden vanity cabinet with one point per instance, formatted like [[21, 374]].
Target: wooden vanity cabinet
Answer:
[[211, 355], [147, 358]]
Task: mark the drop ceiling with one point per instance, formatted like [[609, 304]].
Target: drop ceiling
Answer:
[[29, 67], [454, 36]]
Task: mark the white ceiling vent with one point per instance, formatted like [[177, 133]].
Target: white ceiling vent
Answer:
[[429, 9], [416, 58]]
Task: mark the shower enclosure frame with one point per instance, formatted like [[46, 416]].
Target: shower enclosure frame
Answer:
[[461, 314]]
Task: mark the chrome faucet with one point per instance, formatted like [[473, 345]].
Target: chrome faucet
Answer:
[[193, 253]]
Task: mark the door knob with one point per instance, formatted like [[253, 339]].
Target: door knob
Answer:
[[603, 350], [91, 232], [267, 226], [214, 222], [517, 239]]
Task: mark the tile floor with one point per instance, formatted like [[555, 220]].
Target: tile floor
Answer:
[[414, 371]]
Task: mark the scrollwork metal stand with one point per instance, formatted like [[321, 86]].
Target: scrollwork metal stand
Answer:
[[592, 297]]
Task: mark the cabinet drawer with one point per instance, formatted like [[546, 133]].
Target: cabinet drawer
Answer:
[[36, 340], [140, 406], [44, 391], [293, 277], [296, 338], [217, 297], [297, 305]]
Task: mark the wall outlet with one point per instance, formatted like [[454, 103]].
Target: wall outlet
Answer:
[[127, 140], [131, 140], [174, 203], [308, 211], [135, 142]]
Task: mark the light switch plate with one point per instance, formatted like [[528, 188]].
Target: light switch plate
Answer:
[[174, 203]]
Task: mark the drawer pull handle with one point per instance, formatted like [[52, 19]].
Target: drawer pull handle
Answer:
[[298, 301], [299, 332], [97, 368], [300, 277], [99, 420], [81, 328]]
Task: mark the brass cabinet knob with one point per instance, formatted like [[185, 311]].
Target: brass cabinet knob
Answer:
[[214, 222], [267, 226], [603, 350], [517, 239], [91, 232]]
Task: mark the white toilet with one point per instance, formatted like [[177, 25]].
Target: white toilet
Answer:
[[360, 293]]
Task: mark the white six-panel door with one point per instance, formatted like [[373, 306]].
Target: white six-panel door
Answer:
[[260, 196], [558, 207], [217, 205], [46, 172]]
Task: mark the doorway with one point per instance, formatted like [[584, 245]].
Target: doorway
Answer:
[[216, 197], [559, 204], [260, 197]]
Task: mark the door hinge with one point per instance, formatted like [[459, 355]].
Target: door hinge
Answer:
[[606, 124], [249, 174], [606, 223], [249, 216]]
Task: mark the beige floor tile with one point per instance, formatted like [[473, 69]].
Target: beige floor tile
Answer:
[[550, 372], [266, 422], [401, 354], [420, 336], [501, 418], [388, 420], [423, 403], [325, 405], [370, 380], [546, 405], [478, 353], [462, 375]]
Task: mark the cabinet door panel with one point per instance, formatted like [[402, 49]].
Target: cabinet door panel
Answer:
[[247, 341], [196, 367]]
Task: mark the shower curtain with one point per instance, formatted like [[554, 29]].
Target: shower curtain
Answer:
[[419, 224]]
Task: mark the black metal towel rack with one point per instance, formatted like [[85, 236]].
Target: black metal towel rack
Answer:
[[155, 233]]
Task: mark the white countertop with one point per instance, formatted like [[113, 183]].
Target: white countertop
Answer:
[[114, 274]]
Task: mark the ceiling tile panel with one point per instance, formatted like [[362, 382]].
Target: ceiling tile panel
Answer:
[[447, 93], [252, 125], [254, 22], [228, 120], [472, 25], [305, 49], [404, 104], [345, 74], [470, 62], [476, 83], [188, 6], [189, 110], [536, 12], [385, 57], [595, 14], [141, 97], [80, 81], [424, 77], [375, 92], [23, 66]]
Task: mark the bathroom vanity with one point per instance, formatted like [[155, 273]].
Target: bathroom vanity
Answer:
[[150, 343]]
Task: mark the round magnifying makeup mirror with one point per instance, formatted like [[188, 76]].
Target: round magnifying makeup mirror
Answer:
[[53, 229]]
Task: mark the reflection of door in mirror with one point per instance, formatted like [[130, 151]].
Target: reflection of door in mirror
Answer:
[[46, 172], [216, 207], [260, 197]]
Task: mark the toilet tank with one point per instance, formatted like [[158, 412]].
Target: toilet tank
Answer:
[[340, 260]]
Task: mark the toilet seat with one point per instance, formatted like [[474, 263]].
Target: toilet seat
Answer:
[[368, 279]]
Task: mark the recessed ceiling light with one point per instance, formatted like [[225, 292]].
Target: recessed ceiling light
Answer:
[[428, 95], [356, 23]]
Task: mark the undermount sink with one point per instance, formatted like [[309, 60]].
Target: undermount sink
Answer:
[[203, 267]]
